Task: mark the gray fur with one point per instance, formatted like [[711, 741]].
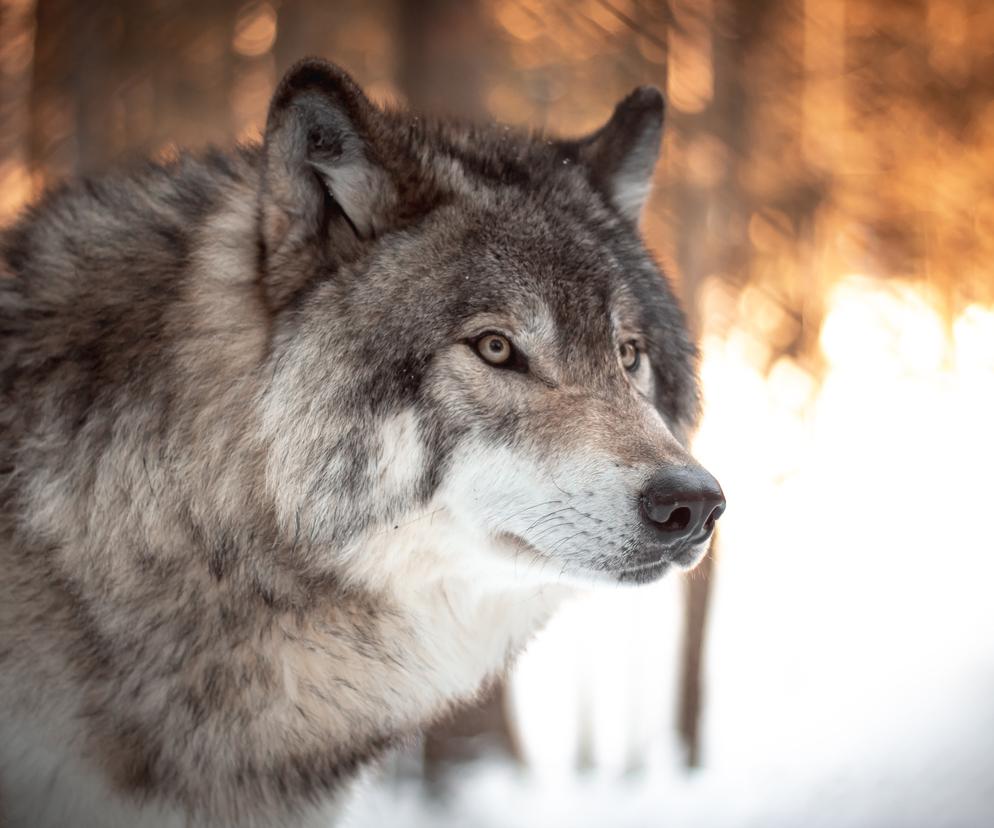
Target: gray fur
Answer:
[[239, 411]]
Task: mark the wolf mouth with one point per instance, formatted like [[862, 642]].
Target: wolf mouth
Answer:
[[662, 559], [643, 573], [682, 556]]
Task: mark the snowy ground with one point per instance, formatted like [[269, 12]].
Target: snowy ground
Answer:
[[954, 788]]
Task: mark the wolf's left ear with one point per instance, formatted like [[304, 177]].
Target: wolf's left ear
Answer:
[[323, 190], [621, 155]]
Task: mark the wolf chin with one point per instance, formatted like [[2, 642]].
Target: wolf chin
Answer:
[[300, 443]]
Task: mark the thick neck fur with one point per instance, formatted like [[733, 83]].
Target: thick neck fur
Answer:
[[216, 664]]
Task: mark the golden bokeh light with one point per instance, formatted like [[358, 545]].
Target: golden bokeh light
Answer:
[[255, 29]]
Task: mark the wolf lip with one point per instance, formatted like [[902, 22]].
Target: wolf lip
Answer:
[[683, 554], [643, 573]]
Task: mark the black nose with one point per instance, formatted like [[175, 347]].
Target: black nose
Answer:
[[681, 504]]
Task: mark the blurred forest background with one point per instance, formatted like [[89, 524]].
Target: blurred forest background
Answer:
[[825, 207]]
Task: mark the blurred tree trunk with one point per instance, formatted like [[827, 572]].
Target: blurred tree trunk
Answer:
[[712, 211], [697, 602], [94, 47], [114, 79], [52, 146], [443, 55], [481, 729]]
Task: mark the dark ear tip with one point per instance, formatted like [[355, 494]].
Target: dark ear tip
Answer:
[[645, 100], [310, 71], [318, 75]]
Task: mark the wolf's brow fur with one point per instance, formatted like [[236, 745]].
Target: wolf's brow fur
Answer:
[[218, 410]]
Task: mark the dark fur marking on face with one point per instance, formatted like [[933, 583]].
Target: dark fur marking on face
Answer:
[[438, 440]]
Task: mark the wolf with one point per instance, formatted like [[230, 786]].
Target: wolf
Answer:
[[300, 443]]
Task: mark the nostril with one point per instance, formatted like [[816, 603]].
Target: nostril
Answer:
[[678, 520], [713, 518]]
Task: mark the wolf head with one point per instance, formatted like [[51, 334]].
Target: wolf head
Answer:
[[474, 358]]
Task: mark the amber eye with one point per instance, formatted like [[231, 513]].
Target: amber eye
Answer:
[[629, 354], [494, 348]]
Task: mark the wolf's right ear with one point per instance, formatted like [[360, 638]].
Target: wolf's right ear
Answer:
[[322, 187], [621, 155]]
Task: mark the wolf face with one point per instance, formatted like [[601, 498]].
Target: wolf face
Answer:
[[477, 336]]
